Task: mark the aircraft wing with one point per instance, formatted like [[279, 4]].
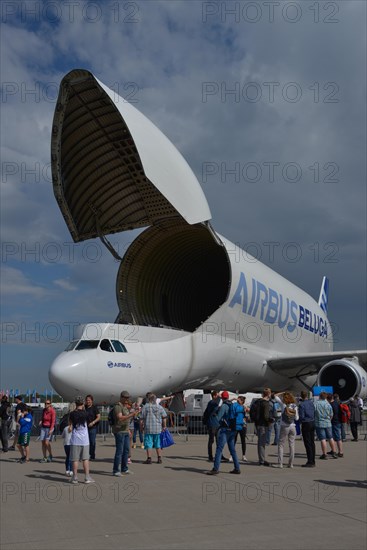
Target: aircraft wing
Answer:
[[311, 363]]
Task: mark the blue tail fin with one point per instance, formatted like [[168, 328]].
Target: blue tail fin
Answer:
[[324, 294]]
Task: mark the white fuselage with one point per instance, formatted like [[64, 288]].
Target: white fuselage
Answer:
[[264, 316]]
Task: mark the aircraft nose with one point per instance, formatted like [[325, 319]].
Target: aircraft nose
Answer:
[[67, 375]]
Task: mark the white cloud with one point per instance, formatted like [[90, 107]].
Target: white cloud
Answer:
[[15, 283], [65, 284]]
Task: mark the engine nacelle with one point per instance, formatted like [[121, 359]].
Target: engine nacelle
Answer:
[[346, 376]]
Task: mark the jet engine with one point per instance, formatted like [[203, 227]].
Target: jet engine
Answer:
[[346, 376]]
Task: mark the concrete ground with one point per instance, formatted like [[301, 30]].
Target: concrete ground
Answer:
[[176, 506]]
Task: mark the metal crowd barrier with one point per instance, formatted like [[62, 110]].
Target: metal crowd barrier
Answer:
[[182, 424]]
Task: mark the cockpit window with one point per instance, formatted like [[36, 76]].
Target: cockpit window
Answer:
[[71, 345], [87, 344], [118, 346], [105, 345]]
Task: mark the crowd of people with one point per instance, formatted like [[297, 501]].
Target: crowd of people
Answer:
[[225, 419], [146, 419], [324, 418]]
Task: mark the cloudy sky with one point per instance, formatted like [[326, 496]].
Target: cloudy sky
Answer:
[[266, 101]]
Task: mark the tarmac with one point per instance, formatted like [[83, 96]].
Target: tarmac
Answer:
[[176, 506]]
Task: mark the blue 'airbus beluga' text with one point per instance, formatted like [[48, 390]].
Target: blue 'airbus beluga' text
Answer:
[[271, 307]]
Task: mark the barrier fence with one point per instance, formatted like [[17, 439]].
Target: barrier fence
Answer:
[[181, 424]]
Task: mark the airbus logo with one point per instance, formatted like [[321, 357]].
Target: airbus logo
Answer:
[[272, 307], [111, 365]]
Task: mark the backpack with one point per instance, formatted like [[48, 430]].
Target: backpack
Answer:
[[288, 415], [111, 416], [277, 410], [63, 422], [344, 413], [255, 410], [229, 420], [232, 418]]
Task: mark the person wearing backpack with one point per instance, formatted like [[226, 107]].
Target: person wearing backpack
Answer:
[[275, 412], [210, 420], [287, 427], [226, 434]]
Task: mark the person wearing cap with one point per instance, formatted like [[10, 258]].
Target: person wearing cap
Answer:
[[120, 430], [226, 434], [79, 441]]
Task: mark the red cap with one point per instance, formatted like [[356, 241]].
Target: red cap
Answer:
[[225, 394]]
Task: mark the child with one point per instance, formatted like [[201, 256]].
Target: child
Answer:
[[25, 422]]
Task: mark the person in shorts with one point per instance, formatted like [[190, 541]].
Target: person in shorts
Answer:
[[79, 441], [336, 423], [153, 421], [25, 422], [323, 416], [47, 424]]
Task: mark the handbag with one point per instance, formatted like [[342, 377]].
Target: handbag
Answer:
[[166, 439]]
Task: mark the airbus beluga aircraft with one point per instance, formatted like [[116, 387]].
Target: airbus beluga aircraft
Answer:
[[194, 310]]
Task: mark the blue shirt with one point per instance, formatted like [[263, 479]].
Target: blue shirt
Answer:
[[25, 424], [306, 410], [323, 414], [335, 405]]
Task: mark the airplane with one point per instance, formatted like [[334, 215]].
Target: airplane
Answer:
[[195, 311]]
